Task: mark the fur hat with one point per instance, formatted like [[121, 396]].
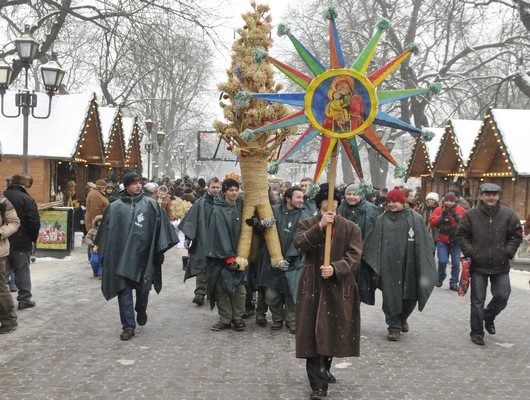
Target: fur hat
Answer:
[[228, 183], [130, 178], [450, 196], [433, 196], [323, 195], [151, 186], [22, 180], [396, 194]]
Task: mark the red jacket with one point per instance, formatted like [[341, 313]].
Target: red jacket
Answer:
[[446, 220]]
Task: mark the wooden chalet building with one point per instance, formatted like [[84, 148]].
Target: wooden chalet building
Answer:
[[133, 138], [67, 146], [449, 168], [501, 154], [420, 164], [113, 137]]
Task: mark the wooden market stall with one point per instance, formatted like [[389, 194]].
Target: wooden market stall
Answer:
[[66, 147], [113, 137], [133, 138], [500, 154], [449, 166], [420, 164]]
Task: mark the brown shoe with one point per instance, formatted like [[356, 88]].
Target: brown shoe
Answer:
[[239, 325], [220, 327], [405, 327], [393, 336], [276, 325], [127, 334], [261, 319], [292, 328]]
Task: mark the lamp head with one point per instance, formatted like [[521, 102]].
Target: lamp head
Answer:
[[26, 46]]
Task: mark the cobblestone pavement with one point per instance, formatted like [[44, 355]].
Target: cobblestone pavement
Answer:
[[68, 348]]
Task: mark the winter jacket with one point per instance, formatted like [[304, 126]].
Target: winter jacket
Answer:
[[28, 214], [96, 204], [9, 224], [446, 220], [327, 310], [92, 233], [490, 236]]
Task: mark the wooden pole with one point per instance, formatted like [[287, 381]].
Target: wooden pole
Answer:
[[331, 206]]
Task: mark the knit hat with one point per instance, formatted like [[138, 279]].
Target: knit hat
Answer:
[[433, 196], [352, 188], [101, 184], [130, 178], [22, 180], [396, 194], [228, 183], [450, 196], [323, 195]]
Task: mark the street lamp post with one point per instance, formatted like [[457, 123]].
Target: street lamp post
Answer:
[[52, 77], [181, 147], [149, 145], [160, 136]]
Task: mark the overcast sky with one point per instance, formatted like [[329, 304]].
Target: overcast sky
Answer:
[[232, 10]]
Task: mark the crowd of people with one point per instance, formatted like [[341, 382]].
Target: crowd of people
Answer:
[[377, 239]]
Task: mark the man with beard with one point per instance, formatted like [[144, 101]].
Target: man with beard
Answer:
[[490, 235], [400, 251], [195, 226], [132, 239], [226, 279], [327, 309], [281, 283]]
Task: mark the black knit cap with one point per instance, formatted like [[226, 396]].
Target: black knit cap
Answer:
[[129, 178], [323, 195], [228, 183]]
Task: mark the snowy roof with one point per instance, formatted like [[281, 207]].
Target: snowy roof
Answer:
[[466, 131], [434, 143], [107, 116], [128, 125], [54, 137], [514, 126]]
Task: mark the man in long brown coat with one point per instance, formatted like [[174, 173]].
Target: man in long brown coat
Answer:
[[96, 203], [327, 310]]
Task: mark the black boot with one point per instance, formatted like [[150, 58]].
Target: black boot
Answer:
[[185, 262]]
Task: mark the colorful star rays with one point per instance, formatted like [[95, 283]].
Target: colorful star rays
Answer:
[[339, 103]]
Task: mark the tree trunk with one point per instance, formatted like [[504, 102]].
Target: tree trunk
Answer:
[[256, 201]]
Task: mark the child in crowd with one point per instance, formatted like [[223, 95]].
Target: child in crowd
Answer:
[[97, 267]]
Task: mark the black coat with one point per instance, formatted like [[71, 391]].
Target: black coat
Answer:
[[28, 214], [490, 237]]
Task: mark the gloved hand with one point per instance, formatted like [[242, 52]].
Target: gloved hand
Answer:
[[265, 223], [254, 221], [445, 212], [283, 265], [187, 244], [232, 267], [268, 222]]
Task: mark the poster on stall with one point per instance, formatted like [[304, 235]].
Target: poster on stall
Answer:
[[53, 233]]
